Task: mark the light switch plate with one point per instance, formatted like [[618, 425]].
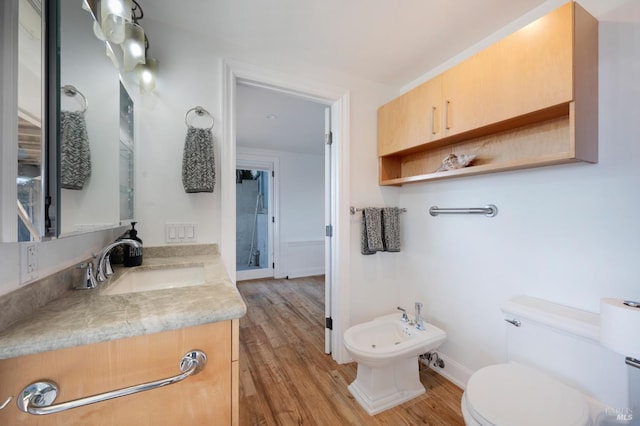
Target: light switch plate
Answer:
[[180, 233]]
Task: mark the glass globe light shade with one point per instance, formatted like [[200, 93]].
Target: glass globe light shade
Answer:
[[97, 31], [147, 75], [133, 47], [114, 15]]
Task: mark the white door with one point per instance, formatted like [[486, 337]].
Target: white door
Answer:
[[328, 209]]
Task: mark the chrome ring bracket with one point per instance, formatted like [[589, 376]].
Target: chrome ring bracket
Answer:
[[39, 394]]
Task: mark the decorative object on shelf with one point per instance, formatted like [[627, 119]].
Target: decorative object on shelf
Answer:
[[453, 161]]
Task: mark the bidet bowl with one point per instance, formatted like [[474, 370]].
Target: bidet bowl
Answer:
[[386, 340], [156, 278]]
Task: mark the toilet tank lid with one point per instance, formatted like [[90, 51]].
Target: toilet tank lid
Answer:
[[513, 394], [559, 317]]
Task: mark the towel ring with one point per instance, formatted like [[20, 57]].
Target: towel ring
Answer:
[[71, 91], [199, 111]]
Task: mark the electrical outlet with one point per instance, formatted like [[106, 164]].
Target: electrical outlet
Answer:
[[28, 262]]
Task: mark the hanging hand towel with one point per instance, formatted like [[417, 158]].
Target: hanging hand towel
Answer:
[[198, 162], [371, 239], [75, 158], [391, 228]]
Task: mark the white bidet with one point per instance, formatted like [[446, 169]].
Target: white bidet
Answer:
[[386, 350]]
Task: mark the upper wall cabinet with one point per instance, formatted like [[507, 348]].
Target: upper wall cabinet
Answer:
[[528, 100]]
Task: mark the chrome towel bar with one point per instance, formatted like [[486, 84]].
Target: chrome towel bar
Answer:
[[489, 210], [37, 398], [353, 210]]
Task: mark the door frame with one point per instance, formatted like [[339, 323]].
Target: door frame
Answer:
[[249, 159], [338, 99]]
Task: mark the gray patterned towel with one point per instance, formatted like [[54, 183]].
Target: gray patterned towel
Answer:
[[391, 228], [75, 158], [380, 230], [198, 162], [371, 230]]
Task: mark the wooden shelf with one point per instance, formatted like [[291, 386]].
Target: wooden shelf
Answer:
[[544, 143]]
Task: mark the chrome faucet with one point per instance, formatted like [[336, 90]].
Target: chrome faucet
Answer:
[[404, 317], [419, 320], [103, 269]]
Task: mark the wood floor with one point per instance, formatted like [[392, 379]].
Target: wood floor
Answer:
[[286, 379]]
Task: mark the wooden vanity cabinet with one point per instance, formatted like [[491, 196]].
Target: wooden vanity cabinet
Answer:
[[209, 397], [528, 100]]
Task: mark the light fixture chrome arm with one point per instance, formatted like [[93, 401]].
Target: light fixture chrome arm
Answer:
[[103, 269]]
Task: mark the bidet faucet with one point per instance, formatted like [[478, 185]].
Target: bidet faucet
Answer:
[[419, 320], [404, 317], [103, 269]]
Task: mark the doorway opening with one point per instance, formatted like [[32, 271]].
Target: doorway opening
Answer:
[[334, 230]]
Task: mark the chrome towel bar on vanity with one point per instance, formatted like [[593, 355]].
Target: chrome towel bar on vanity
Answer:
[[37, 398]]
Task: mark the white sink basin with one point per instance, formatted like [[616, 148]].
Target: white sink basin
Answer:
[[137, 280]]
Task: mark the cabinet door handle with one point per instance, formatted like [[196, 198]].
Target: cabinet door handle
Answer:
[[37, 398], [433, 120], [446, 115]]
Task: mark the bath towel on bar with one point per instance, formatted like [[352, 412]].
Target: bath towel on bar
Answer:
[[391, 228], [198, 162], [75, 157], [380, 230]]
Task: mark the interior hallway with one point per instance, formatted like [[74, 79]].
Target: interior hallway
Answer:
[[286, 379]]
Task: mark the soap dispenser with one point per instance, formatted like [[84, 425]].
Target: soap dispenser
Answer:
[[133, 255]]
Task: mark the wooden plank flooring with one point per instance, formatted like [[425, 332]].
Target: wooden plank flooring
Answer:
[[286, 379]]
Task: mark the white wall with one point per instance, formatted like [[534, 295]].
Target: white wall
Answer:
[[188, 75], [569, 234]]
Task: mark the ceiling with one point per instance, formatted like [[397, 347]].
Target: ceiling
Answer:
[[267, 119], [386, 41]]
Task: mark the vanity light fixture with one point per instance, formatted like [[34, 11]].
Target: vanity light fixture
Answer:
[[119, 25]]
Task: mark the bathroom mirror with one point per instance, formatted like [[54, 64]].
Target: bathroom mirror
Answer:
[[95, 128]]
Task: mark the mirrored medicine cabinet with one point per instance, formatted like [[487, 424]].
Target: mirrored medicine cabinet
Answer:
[[76, 124]]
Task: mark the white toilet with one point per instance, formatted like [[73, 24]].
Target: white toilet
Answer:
[[513, 394], [386, 350], [549, 347]]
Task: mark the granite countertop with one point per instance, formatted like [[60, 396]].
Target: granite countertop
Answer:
[[82, 317]]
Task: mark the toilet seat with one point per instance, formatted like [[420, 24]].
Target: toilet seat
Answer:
[[515, 395]]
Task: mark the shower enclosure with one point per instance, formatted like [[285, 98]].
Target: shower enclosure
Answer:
[[252, 219]]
